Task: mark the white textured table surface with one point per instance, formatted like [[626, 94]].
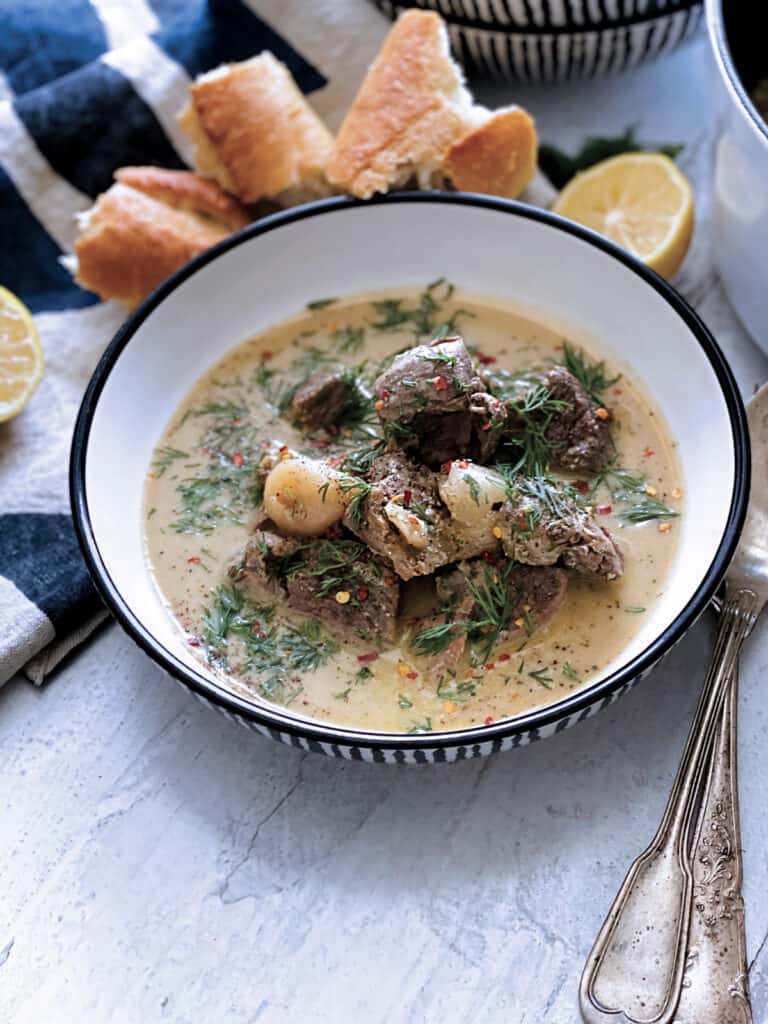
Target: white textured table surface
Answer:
[[159, 863]]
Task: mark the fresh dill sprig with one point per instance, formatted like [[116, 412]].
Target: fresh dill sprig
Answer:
[[425, 725], [645, 510], [591, 376], [542, 676], [274, 653], [166, 456], [425, 318], [359, 491], [349, 339]]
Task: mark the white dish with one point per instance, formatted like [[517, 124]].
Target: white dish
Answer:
[[557, 270]]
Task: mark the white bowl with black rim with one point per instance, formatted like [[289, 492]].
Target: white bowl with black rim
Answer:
[[553, 268], [552, 40]]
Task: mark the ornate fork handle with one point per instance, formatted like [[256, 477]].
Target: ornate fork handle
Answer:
[[634, 973]]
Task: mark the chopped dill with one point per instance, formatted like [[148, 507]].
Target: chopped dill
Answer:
[[403, 701], [645, 510], [273, 653], [166, 456], [570, 673], [591, 376], [541, 675], [423, 726], [474, 487], [349, 339]]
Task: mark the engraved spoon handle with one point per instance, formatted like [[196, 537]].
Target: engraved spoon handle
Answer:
[[634, 972], [715, 987]]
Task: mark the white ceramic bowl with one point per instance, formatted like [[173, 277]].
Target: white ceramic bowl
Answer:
[[486, 246], [740, 207], [551, 40]]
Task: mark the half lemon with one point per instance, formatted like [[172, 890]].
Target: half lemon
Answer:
[[641, 201], [21, 355]]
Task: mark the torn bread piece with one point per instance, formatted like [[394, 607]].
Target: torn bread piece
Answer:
[[255, 134], [186, 191], [411, 106], [497, 157], [146, 226], [415, 119]]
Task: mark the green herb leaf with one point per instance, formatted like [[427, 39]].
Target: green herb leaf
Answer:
[[559, 167], [320, 304], [590, 375]]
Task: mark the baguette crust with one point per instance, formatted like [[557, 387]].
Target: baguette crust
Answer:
[[186, 191], [411, 106], [132, 242], [498, 157], [255, 133]]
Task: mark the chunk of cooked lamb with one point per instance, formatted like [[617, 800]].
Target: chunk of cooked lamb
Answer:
[[544, 525], [321, 400], [536, 593], [404, 521], [581, 438], [427, 380], [337, 580], [425, 397]]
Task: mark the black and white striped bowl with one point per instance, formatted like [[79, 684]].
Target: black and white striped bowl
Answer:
[[550, 40], [488, 246]]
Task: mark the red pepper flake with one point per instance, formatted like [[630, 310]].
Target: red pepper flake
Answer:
[[604, 510], [489, 665], [407, 495], [488, 720], [463, 464], [238, 459], [413, 520], [648, 452], [265, 356], [237, 421], [389, 581], [257, 630], [602, 413], [582, 486], [485, 360], [486, 426], [617, 391], [195, 560], [362, 594], [411, 675], [319, 443], [193, 641], [446, 467], [441, 384], [206, 451], [505, 657], [364, 659], [384, 394], [283, 448]]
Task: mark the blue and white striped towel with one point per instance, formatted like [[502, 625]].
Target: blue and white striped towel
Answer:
[[87, 86]]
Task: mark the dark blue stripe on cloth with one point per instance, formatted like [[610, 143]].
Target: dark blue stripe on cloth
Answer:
[[29, 257], [220, 31], [40, 40], [92, 122], [40, 554]]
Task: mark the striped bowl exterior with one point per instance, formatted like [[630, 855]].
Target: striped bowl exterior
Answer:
[[552, 40], [429, 753]]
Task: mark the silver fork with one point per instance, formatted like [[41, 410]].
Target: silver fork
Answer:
[[672, 946]]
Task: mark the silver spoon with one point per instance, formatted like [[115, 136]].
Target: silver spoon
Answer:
[[642, 968]]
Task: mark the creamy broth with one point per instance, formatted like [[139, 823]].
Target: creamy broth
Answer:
[[200, 502]]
